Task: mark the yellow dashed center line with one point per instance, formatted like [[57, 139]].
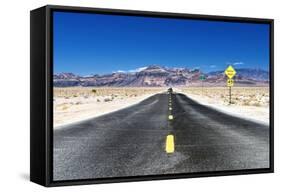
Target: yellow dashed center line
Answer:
[[170, 117], [170, 144]]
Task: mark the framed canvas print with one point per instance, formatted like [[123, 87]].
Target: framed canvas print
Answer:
[[120, 95]]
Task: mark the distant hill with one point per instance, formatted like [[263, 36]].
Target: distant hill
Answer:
[[254, 74], [158, 76]]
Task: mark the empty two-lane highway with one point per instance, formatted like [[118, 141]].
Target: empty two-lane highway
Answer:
[[166, 133]]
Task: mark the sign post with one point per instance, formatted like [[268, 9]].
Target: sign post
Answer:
[[202, 78], [230, 73]]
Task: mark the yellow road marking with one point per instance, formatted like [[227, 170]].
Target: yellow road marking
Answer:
[[170, 145], [170, 117]]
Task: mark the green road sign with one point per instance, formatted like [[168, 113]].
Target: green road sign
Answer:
[[202, 77]]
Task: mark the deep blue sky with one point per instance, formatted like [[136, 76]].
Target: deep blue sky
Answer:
[[98, 44]]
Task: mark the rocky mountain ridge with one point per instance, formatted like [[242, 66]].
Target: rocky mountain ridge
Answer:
[[158, 76]]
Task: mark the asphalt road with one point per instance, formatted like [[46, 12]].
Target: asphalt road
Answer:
[[132, 141]]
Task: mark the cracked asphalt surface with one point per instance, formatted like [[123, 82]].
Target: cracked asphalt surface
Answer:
[[131, 141]]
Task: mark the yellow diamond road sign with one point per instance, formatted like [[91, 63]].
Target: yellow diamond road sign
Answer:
[[230, 72]]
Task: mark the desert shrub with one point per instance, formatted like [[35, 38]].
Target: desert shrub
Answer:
[[257, 104], [246, 103], [107, 100], [94, 91]]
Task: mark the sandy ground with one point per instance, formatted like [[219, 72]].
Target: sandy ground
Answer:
[[75, 103], [257, 110], [73, 109]]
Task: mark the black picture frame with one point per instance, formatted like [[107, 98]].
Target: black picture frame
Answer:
[[41, 95]]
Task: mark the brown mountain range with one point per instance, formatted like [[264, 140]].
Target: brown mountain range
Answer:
[[158, 76]]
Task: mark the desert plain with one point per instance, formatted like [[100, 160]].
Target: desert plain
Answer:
[[73, 104]]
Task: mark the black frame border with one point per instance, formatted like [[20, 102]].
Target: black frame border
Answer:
[[49, 93]]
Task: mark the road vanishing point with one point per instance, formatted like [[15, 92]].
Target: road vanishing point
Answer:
[[144, 140]]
